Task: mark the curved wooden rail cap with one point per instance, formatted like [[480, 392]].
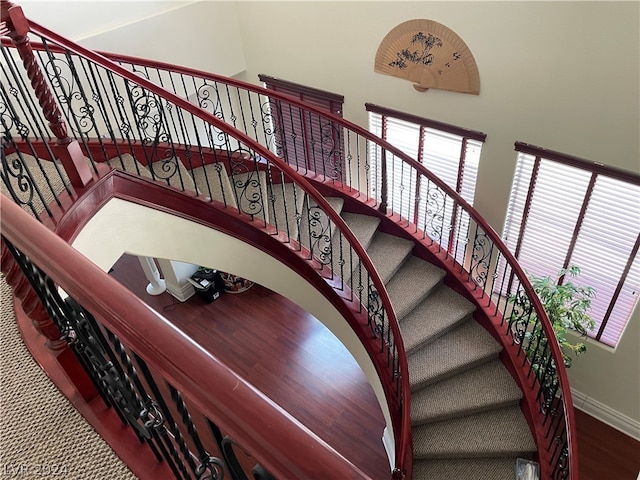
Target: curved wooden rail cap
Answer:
[[280, 442], [429, 54]]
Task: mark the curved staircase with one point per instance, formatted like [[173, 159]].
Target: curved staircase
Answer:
[[465, 417], [465, 412]]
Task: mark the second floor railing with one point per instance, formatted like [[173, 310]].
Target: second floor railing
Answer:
[[174, 121], [123, 120], [158, 380]]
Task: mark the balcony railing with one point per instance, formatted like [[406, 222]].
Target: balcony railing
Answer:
[[119, 118], [174, 121], [157, 379]]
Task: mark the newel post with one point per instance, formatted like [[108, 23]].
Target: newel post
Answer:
[[66, 148], [37, 313], [397, 474]]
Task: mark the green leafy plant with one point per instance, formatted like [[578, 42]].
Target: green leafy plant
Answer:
[[567, 306]]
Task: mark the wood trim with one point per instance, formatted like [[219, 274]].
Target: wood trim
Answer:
[[591, 166], [305, 90], [426, 122], [607, 415]]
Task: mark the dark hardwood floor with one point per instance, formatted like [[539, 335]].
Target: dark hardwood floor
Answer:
[[289, 355], [604, 452]]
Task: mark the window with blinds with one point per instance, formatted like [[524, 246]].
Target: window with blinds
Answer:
[[304, 139], [450, 152], [566, 211]]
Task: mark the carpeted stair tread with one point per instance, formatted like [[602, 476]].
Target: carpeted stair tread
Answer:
[[479, 389], [286, 203], [336, 203], [412, 283], [464, 347], [501, 432], [172, 172], [129, 164], [169, 171], [364, 228], [439, 313], [388, 253], [213, 182], [502, 468]]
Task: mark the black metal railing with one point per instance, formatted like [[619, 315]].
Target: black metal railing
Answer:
[[163, 394], [129, 123], [112, 115], [439, 217]]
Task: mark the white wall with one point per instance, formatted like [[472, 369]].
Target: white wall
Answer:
[[561, 75], [201, 35]]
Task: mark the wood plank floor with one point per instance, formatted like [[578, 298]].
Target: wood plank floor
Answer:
[[604, 452], [294, 359], [287, 354]]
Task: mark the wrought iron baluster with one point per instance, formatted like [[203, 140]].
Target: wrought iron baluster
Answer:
[[150, 413], [209, 468], [19, 89], [174, 429]]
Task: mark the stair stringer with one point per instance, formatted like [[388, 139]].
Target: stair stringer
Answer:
[[486, 313]]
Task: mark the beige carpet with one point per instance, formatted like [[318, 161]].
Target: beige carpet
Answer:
[[39, 428]]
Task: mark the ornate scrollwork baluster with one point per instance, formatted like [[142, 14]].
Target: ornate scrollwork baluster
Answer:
[[246, 182], [319, 235], [434, 213], [480, 267]]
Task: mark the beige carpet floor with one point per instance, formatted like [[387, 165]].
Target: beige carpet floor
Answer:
[[41, 434]]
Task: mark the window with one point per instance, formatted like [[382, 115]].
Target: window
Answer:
[[450, 152], [567, 211], [308, 141]]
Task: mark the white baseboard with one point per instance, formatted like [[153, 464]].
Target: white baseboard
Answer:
[[606, 414], [182, 293]]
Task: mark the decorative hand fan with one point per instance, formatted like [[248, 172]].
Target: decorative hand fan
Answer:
[[429, 54]]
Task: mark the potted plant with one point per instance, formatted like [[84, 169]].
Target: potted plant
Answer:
[[567, 306]]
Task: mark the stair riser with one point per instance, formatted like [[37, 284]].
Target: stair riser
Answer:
[[463, 413], [452, 372], [414, 348]]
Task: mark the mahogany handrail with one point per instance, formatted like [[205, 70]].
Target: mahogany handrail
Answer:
[[237, 406], [419, 168], [403, 426]]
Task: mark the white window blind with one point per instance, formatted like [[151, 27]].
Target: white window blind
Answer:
[[579, 216], [454, 158]]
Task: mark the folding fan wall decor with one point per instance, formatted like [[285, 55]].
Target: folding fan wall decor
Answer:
[[429, 54]]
